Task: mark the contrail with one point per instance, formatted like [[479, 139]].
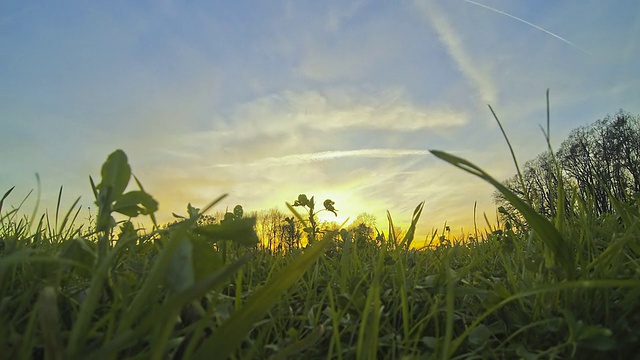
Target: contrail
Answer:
[[530, 24], [328, 155], [453, 43]]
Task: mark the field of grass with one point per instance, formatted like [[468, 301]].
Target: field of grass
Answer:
[[536, 289]]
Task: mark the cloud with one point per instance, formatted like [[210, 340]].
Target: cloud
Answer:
[[312, 126], [306, 158], [337, 109], [452, 41], [348, 47]]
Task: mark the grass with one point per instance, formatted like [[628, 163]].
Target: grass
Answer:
[[558, 288]]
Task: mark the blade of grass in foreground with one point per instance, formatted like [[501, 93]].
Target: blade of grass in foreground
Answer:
[[549, 288], [368, 335], [157, 274], [525, 189], [6, 195], [234, 330], [408, 238], [551, 237], [169, 310]]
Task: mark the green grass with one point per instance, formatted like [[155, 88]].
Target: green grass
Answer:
[[558, 288]]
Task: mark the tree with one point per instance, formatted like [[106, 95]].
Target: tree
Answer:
[[603, 159], [290, 234], [270, 227], [363, 228], [599, 161], [365, 218]]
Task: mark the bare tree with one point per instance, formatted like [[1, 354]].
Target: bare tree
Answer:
[[603, 159], [542, 184], [599, 161], [270, 227], [291, 235]]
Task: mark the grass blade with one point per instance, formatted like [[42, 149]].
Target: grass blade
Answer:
[[233, 331], [551, 237], [408, 238], [513, 155], [5, 196]]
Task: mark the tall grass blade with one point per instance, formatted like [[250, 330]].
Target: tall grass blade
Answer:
[[408, 238], [551, 237], [4, 197], [35, 208], [49, 323], [234, 330], [513, 155], [560, 199], [368, 334], [68, 219], [58, 209], [170, 309], [392, 231]]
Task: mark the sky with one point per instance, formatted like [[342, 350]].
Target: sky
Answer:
[[265, 100]]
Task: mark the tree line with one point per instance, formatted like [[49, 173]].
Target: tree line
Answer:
[[280, 231], [597, 165]]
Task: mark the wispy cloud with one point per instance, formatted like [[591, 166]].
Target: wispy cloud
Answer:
[[339, 15], [340, 108], [306, 158], [449, 37], [528, 23], [341, 42]]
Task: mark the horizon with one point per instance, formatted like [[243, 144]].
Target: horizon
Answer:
[[338, 100]]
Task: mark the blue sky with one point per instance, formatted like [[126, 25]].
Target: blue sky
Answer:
[[338, 99]]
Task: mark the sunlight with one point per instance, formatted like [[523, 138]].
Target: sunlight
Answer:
[[345, 206]]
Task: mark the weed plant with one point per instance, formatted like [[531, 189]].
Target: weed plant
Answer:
[[567, 287]]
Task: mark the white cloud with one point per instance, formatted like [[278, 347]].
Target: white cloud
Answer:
[[340, 109], [309, 158]]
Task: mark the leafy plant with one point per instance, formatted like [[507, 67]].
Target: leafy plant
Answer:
[[308, 205]]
